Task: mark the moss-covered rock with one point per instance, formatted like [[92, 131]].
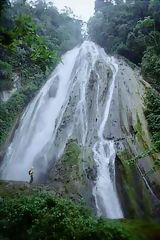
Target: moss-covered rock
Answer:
[[13, 189], [140, 133], [135, 198], [74, 172], [149, 162]]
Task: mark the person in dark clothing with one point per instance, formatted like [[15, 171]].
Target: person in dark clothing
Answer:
[[31, 175]]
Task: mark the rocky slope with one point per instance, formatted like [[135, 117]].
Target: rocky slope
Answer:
[[127, 126], [128, 110]]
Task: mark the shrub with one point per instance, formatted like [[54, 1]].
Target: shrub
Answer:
[[151, 67], [46, 217], [152, 113]]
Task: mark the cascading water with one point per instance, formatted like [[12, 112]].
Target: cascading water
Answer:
[[74, 103], [104, 155]]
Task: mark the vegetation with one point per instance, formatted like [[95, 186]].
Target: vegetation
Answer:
[[32, 39], [74, 172], [153, 114], [67, 174], [136, 200], [42, 216]]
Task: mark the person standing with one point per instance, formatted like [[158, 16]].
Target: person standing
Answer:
[[31, 175]]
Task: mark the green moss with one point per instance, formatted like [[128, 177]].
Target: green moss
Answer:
[[71, 155], [135, 188], [128, 183], [68, 173], [73, 173], [141, 134], [71, 164], [148, 229], [146, 146]]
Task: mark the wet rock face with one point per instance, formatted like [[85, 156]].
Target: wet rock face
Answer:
[[96, 93], [128, 126], [135, 198], [53, 89]]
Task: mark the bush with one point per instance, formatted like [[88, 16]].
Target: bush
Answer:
[[152, 113], [151, 67], [45, 217]]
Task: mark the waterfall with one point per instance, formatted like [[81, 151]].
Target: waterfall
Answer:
[[74, 103], [104, 190]]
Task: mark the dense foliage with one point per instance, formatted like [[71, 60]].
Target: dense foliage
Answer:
[[153, 114], [45, 217], [32, 39], [132, 29]]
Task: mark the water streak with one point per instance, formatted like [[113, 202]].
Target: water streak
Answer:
[[104, 154]]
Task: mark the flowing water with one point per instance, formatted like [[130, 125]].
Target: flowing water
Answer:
[[104, 154], [74, 103]]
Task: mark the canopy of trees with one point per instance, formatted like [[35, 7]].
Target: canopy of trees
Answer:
[[33, 34]]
